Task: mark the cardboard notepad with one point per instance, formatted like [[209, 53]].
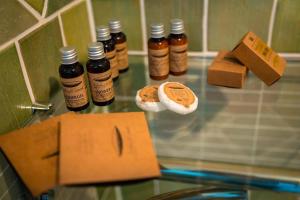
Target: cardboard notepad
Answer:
[[33, 153], [102, 148]]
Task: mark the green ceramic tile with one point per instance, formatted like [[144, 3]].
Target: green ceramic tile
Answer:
[[17, 191], [6, 180], [3, 162], [286, 33], [106, 193], [41, 54], [77, 30], [229, 20], [14, 95], [14, 19], [264, 194], [10, 181], [133, 80], [168, 186], [142, 190], [188, 10], [36, 4], [54, 5], [129, 14]]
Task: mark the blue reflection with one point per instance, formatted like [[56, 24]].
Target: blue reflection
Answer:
[[280, 186]]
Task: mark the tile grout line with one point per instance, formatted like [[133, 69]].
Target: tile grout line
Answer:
[[201, 53], [253, 91], [91, 19], [291, 56], [62, 31], [204, 25], [210, 54], [4, 169], [257, 121], [45, 9], [156, 188], [118, 193], [247, 115], [143, 24], [4, 194], [105, 194], [32, 11], [190, 53], [203, 97], [137, 53], [24, 71], [272, 21], [39, 24]]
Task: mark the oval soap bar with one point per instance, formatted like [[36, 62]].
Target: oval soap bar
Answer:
[[177, 97]]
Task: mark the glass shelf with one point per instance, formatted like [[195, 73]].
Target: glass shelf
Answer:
[[252, 132]]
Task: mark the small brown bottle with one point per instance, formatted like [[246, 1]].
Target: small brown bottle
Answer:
[[121, 45], [72, 79], [100, 76], [103, 35], [158, 53], [178, 44]]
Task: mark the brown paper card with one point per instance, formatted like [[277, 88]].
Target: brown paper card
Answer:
[[33, 153], [226, 71], [92, 150], [259, 58]]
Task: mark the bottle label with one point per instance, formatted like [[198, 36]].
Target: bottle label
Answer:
[[101, 86], [112, 57], [75, 91], [158, 62], [122, 55], [178, 58]]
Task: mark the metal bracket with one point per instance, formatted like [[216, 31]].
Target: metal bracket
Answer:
[[40, 107]]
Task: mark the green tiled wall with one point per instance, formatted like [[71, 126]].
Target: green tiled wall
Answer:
[[286, 34], [129, 14], [77, 30], [169, 186], [40, 50], [262, 195], [188, 10], [36, 4], [229, 20], [106, 193], [10, 186], [13, 92], [142, 190], [14, 19]]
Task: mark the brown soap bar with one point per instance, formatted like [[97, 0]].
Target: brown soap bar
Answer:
[[99, 148], [259, 58], [226, 71], [33, 152]]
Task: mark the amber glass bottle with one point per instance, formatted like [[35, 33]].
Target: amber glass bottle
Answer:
[[178, 44], [158, 53], [103, 35], [100, 77], [72, 79], [121, 45]]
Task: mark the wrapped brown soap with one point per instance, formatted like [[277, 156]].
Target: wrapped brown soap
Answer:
[[226, 71], [259, 58]]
